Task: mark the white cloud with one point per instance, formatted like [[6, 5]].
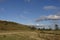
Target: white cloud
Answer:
[[50, 7], [53, 17], [49, 17]]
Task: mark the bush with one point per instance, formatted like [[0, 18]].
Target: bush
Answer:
[[33, 28]]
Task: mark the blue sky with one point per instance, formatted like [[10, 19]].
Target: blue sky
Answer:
[[27, 11]]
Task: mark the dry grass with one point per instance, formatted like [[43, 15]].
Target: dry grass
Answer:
[[29, 35]]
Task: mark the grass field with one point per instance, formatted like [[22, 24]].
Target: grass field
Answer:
[[18, 35], [15, 31], [29, 35]]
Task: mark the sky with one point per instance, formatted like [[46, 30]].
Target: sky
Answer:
[[28, 11]]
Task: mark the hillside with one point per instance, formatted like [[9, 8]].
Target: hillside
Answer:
[[15, 31], [7, 25]]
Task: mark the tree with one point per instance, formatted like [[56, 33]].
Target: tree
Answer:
[[39, 28], [33, 28], [56, 27], [43, 28]]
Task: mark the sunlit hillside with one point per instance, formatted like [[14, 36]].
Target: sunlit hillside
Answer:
[[7, 25]]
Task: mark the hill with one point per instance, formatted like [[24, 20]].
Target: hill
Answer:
[[8, 25], [16, 31]]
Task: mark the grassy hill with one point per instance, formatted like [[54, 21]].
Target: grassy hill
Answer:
[[7, 25], [23, 32]]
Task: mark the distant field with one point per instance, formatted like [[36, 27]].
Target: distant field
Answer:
[[29, 35]]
